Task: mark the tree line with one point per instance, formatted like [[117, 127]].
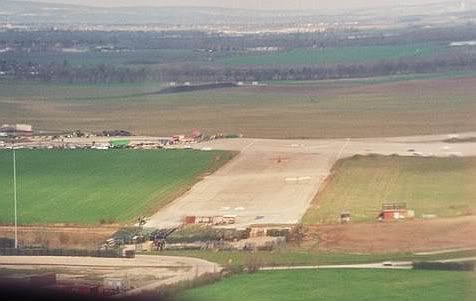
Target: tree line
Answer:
[[181, 73]]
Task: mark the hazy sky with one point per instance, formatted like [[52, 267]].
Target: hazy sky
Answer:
[[254, 4]]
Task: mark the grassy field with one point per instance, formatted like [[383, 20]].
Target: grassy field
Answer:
[[379, 79], [441, 186], [136, 57], [342, 285], [298, 56], [294, 256], [340, 55], [392, 107], [89, 186]]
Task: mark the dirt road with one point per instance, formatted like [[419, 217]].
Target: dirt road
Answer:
[[146, 273], [274, 181]]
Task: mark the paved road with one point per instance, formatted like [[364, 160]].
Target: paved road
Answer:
[[400, 265], [274, 181], [394, 265]]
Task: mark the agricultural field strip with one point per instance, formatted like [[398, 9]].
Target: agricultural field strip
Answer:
[[386, 106], [260, 183], [340, 55], [105, 187], [342, 285]]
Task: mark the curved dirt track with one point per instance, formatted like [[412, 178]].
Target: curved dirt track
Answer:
[[150, 271], [274, 181]]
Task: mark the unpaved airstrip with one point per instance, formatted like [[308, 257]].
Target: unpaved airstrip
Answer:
[[274, 181]]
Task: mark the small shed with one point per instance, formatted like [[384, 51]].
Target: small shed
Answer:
[[189, 220], [393, 211], [345, 217]]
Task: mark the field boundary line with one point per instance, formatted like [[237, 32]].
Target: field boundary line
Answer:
[[342, 149]]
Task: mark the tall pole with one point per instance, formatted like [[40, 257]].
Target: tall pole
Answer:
[[15, 197]]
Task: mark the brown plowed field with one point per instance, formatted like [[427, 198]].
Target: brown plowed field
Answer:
[[74, 237], [393, 237]]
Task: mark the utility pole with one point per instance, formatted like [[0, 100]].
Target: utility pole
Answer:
[[15, 196]]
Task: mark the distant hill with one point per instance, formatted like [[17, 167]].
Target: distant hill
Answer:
[[34, 12], [46, 13]]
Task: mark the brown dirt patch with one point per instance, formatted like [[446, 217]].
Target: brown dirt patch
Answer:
[[73, 237], [394, 237]]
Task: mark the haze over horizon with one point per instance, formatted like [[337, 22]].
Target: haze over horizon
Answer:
[[253, 4]]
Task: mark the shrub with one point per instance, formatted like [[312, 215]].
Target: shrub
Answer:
[[7, 242], [253, 264], [235, 268], [196, 233], [445, 266]]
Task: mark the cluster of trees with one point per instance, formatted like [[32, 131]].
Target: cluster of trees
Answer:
[[210, 73], [72, 74], [198, 70], [264, 73]]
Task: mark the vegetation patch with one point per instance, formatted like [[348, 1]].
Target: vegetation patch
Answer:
[[197, 233], [339, 284], [91, 187], [295, 256], [339, 55], [445, 266], [326, 109], [442, 187]]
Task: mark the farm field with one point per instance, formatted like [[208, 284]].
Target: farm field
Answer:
[[297, 56], [91, 187], [440, 186], [132, 57], [341, 55], [328, 109], [340, 285]]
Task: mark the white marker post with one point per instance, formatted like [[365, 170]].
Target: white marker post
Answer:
[[15, 197]]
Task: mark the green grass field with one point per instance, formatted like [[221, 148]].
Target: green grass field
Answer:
[[295, 256], [86, 187], [341, 285], [298, 56], [340, 55], [441, 186], [136, 57]]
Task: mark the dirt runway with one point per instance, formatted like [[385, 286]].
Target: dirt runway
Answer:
[[274, 181]]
